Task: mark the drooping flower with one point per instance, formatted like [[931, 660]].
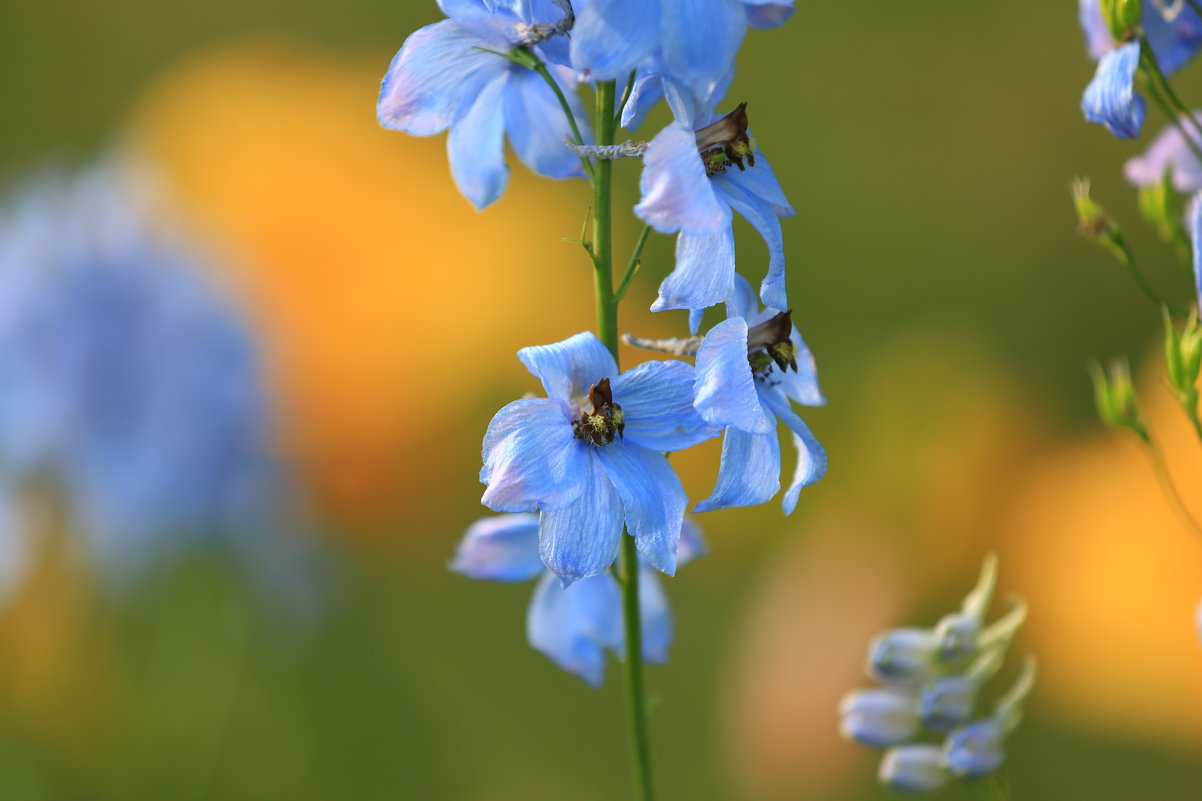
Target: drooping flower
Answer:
[[590, 457], [133, 387], [1110, 98], [575, 625], [691, 182], [1168, 154], [750, 370], [445, 77]]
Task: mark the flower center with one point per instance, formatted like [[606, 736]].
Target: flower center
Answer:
[[605, 421], [769, 344], [726, 142]]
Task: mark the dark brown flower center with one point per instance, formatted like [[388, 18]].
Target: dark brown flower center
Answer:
[[726, 142], [770, 343], [605, 421]]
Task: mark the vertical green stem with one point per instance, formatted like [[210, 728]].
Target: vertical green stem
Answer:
[[607, 330]]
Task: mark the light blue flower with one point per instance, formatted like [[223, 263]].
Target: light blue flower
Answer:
[[132, 384], [750, 370], [1168, 154], [880, 717], [590, 457], [694, 42], [1175, 33], [575, 625], [443, 77], [691, 182], [1110, 98], [915, 769], [976, 750]]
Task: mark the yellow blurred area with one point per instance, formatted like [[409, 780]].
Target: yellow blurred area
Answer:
[[387, 303], [1114, 578]]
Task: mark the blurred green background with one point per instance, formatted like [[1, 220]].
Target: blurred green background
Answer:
[[935, 272]]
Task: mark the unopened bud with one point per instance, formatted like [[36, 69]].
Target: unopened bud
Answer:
[[1122, 16], [1183, 356], [1114, 396], [915, 769], [1157, 204]]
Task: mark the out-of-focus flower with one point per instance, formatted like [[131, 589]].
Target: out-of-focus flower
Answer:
[[1110, 98], [1170, 155], [590, 457], [133, 386], [750, 370], [450, 75], [572, 625], [694, 175], [915, 769]]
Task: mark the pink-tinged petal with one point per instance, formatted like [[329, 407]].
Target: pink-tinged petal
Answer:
[[500, 548], [676, 193]]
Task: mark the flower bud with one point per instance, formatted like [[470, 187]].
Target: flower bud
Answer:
[[1157, 206], [879, 718], [914, 769], [1114, 396], [956, 635], [948, 702], [975, 750], [904, 656], [1122, 16], [1183, 356]]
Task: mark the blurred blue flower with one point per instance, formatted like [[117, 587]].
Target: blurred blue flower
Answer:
[[691, 181], [1168, 154], [571, 625], [132, 386], [444, 77], [914, 769], [590, 457], [1110, 98], [750, 370], [879, 717]]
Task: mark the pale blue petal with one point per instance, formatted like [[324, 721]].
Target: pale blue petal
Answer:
[[500, 548], [692, 543], [801, 386], [532, 458], [427, 80], [657, 401], [761, 182], [724, 393], [768, 13], [648, 90], [676, 193], [656, 617], [1149, 167], [811, 457], [613, 37], [476, 147], [494, 24], [1110, 98], [570, 368], [760, 214], [581, 539], [704, 273], [1175, 42], [699, 39], [691, 109], [537, 127], [744, 303], [574, 625], [653, 499], [1098, 39], [1195, 225], [749, 473], [695, 318]]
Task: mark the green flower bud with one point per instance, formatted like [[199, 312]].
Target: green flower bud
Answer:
[[1122, 16], [1183, 360], [1114, 395], [1159, 209]]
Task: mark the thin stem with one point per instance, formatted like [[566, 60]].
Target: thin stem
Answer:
[[1173, 117], [625, 98], [541, 69], [632, 266], [1118, 247], [1170, 490]]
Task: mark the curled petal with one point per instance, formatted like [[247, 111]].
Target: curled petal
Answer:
[[574, 625], [749, 473], [676, 193], [500, 548], [1110, 98], [476, 144], [811, 457], [657, 399], [567, 369], [704, 273], [531, 458], [653, 500], [760, 214], [581, 539], [724, 393]]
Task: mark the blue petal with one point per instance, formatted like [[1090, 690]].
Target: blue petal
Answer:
[[676, 193], [476, 147], [1110, 98], [761, 182], [759, 213], [1098, 39], [692, 543], [801, 386], [767, 13], [704, 273], [656, 617], [425, 84], [568, 369], [648, 90], [500, 548], [699, 39], [574, 625], [531, 458], [744, 303], [1174, 43], [657, 400], [653, 499], [613, 37], [495, 24], [1195, 224], [581, 539], [811, 457], [976, 750], [724, 393], [695, 318], [749, 473], [537, 126]]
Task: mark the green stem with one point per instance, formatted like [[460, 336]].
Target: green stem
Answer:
[[1158, 78], [607, 330], [541, 69], [1118, 247], [632, 266]]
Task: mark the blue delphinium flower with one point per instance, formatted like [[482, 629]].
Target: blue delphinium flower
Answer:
[[1168, 154], [1110, 98], [750, 370], [572, 625], [590, 457], [691, 182], [444, 77], [131, 384]]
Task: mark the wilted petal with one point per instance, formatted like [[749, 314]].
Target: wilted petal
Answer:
[[676, 193], [749, 473], [880, 717], [569, 368], [704, 273], [613, 37], [724, 393], [657, 400], [768, 13], [581, 539], [500, 548], [652, 497], [476, 146], [656, 617], [426, 82], [574, 625], [698, 40], [811, 456], [537, 127], [531, 458], [1110, 98]]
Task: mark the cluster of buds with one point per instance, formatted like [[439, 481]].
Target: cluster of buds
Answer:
[[931, 680]]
